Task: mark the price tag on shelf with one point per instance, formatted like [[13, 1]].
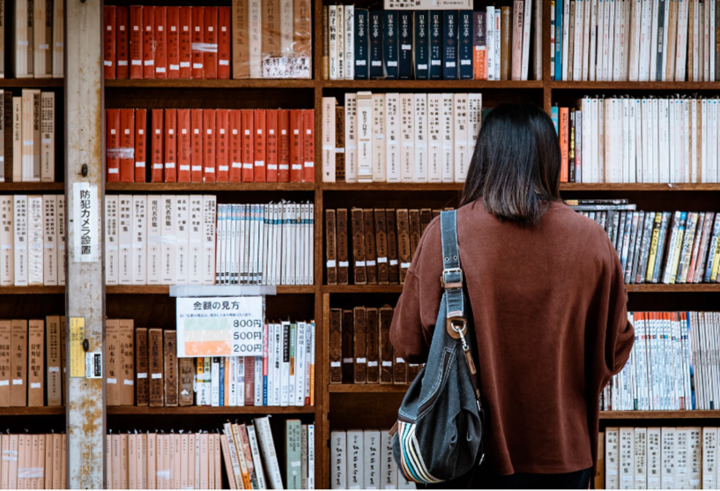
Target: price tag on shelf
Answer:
[[220, 326]]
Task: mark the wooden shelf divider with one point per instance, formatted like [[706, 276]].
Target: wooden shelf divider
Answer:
[[209, 187], [200, 410], [32, 411]]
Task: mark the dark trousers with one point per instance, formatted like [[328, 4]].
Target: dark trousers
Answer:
[[486, 478]]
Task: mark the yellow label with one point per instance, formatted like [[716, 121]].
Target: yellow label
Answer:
[[77, 353]]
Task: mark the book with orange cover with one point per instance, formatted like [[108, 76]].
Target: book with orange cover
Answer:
[[112, 142], [198, 30], [122, 46], [242, 461], [140, 144], [136, 41], [184, 145], [148, 38], [223, 145], [235, 125], [161, 42], [19, 357], [271, 146], [308, 145], [259, 145], [248, 130], [244, 450], [223, 37], [173, 42], [196, 123], [209, 146], [210, 38], [284, 145], [157, 156], [36, 363], [170, 145], [127, 145], [5, 363], [185, 43], [109, 39], [226, 460], [296, 145], [564, 143]]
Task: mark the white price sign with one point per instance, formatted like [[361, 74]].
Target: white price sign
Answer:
[[220, 326]]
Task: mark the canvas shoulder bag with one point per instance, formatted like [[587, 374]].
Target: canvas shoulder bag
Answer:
[[439, 430]]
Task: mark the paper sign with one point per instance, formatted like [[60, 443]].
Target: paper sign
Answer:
[[86, 217], [77, 353], [220, 326], [93, 365]]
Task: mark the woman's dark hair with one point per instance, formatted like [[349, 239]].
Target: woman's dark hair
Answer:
[[515, 168]]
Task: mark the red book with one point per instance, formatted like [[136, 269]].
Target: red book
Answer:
[[223, 145], [224, 34], [149, 42], [198, 28], [296, 145], [109, 41], [113, 145], [196, 122], [235, 145], [271, 153], [156, 172], [123, 42], [140, 144], [210, 155], [127, 145], [161, 42], [210, 58], [136, 41], [185, 42], [284, 145], [309, 145], [173, 42], [259, 144], [170, 145], [184, 145], [564, 143], [248, 128]]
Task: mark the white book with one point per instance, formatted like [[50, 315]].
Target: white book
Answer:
[[388, 473], [420, 172], [626, 458], [664, 130], [195, 250], [277, 366], [610, 43], [434, 138], [371, 459], [58, 38], [300, 366], [585, 136], [208, 255], [682, 31], [154, 239], [640, 459], [168, 262], [350, 137], [695, 457], [602, 38], [112, 253], [392, 129], [50, 259], [639, 153], [125, 239], [527, 13], [61, 239], [338, 460], [35, 240], [47, 130], [696, 23], [182, 240], [625, 135], [332, 41], [285, 365], [693, 139], [654, 456], [255, 41], [340, 36], [270, 335], [7, 230], [474, 113], [664, 42], [712, 41], [139, 239], [311, 456], [286, 27], [17, 174], [618, 46], [669, 455], [462, 153], [379, 170], [578, 51], [328, 138], [448, 143], [407, 138], [635, 35], [645, 38], [705, 137], [349, 42], [612, 457], [490, 42], [707, 48], [23, 45], [632, 148], [655, 132], [497, 51], [364, 137], [709, 458], [565, 39], [267, 448], [682, 457], [654, 40], [257, 461], [595, 41], [355, 459], [587, 10], [215, 382], [258, 383], [231, 367]]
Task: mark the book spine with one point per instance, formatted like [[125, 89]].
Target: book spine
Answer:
[[450, 45]]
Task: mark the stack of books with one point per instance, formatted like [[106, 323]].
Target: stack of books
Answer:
[[37, 38], [33, 461]]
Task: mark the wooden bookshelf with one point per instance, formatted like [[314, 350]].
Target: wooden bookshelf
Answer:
[[210, 84], [31, 83], [32, 411], [367, 389], [17, 187], [200, 410], [165, 289], [214, 187], [31, 290]]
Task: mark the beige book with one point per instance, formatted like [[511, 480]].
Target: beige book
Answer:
[[141, 456], [58, 38], [5, 362], [58, 450], [108, 462], [197, 459], [21, 42], [177, 462], [49, 449], [123, 461], [63, 462], [112, 361], [191, 460], [21, 456], [54, 360], [167, 461], [47, 141], [184, 469], [160, 465], [211, 462], [36, 363], [218, 463], [240, 39], [29, 483], [5, 461], [14, 461], [19, 356], [38, 458], [204, 461], [41, 45], [151, 449], [126, 369], [116, 461], [17, 142], [228, 463], [132, 461]]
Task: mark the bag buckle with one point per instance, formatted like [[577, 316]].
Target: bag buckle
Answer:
[[458, 283], [456, 327]]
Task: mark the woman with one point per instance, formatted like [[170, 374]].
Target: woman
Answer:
[[548, 301]]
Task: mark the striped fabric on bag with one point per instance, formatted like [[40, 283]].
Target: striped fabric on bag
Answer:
[[412, 463]]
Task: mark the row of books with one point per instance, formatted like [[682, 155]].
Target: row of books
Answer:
[[211, 145], [32, 240], [362, 459], [383, 243], [27, 136], [432, 45], [32, 362], [33, 461], [671, 366], [37, 38], [400, 137], [360, 349], [269, 39], [627, 140], [657, 458], [660, 247], [635, 40], [268, 244], [143, 369]]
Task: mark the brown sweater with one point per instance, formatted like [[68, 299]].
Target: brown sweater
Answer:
[[549, 306]]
